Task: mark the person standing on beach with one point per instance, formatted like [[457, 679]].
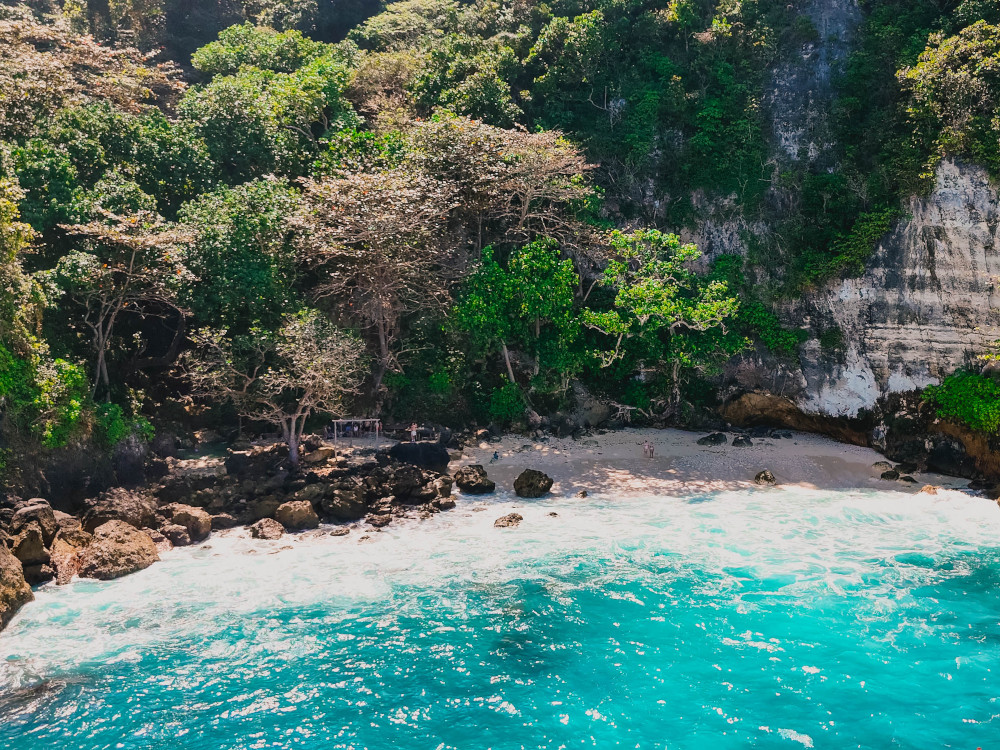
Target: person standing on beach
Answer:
[[413, 432]]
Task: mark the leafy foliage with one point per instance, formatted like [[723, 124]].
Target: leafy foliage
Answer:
[[243, 270], [955, 91], [971, 399]]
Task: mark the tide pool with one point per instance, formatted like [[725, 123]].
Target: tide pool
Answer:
[[764, 619]]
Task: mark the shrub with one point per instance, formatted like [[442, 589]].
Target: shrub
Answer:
[[970, 399], [506, 403]]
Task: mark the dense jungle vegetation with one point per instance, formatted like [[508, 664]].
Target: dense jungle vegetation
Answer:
[[283, 209]]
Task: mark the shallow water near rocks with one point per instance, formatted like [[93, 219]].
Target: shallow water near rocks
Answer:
[[767, 619]]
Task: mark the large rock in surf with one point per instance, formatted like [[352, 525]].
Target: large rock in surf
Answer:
[[196, 521], [119, 504], [532, 483], [472, 480], [432, 456], [29, 548], [176, 534], [14, 590], [509, 521], [267, 528], [117, 550], [297, 515], [765, 478]]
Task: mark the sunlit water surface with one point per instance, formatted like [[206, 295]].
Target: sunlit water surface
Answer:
[[771, 619]]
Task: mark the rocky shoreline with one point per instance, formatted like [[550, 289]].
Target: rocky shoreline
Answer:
[[121, 531]]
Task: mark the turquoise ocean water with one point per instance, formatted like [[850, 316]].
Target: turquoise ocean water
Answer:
[[769, 619]]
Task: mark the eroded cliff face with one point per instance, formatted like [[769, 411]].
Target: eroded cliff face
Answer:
[[801, 89], [928, 304]]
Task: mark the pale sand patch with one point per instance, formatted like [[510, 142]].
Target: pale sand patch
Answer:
[[614, 462]]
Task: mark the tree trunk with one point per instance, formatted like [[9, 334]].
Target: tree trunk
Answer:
[[506, 358], [293, 448], [382, 366]]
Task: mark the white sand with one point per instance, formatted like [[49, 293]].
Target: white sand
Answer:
[[614, 462]]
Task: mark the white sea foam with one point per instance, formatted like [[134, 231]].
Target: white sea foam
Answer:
[[791, 540]]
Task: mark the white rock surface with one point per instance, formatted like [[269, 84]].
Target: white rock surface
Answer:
[[928, 304]]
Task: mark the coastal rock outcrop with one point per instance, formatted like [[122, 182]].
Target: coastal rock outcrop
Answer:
[[195, 521], [177, 534], [119, 504], [117, 550], [14, 590], [532, 483], [926, 302], [65, 557], [472, 480], [267, 528], [297, 515], [742, 441], [29, 548], [345, 504], [36, 511], [509, 521]]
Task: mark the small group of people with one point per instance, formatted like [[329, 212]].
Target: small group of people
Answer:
[[648, 449], [353, 429]]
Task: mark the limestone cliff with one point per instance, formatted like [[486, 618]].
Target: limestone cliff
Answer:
[[927, 305]]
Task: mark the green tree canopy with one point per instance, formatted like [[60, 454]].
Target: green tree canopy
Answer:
[[242, 256]]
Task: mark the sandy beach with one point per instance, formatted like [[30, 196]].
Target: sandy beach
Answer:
[[614, 461]]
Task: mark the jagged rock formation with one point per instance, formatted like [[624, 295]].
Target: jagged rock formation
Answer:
[[14, 590]]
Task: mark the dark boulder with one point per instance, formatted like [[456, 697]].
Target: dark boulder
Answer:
[[164, 445], [716, 438], [378, 520], [345, 504], [238, 464], [532, 483], [29, 547], [223, 521], [433, 456], [765, 477], [890, 476], [742, 441], [472, 480]]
